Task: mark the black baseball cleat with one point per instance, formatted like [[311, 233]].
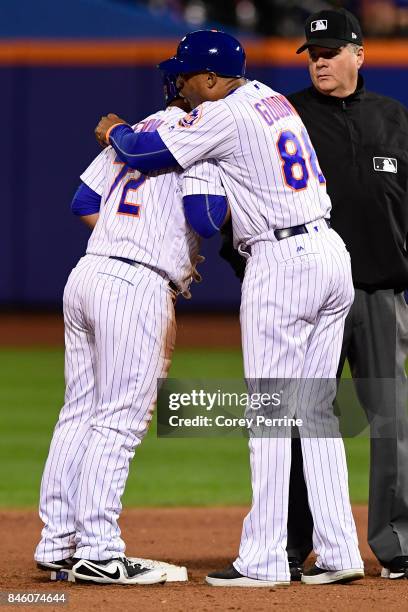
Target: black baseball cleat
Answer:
[[56, 565], [317, 575], [116, 571], [395, 569], [230, 577], [296, 569]]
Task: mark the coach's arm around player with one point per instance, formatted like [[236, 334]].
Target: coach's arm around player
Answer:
[[144, 151], [205, 211]]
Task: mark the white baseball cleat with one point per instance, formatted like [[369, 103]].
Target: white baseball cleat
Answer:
[[317, 575], [387, 573], [230, 577], [116, 571], [396, 569], [174, 573]]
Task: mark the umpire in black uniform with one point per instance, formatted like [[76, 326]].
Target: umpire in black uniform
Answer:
[[361, 140]]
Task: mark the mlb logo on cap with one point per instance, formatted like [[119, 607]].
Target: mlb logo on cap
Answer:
[[320, 24], [331, 29]]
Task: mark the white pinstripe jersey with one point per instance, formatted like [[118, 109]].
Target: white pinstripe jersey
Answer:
[[267, 163], [141, 216]]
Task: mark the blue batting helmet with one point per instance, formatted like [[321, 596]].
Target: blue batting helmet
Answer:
[[170, 89], [207, 51]]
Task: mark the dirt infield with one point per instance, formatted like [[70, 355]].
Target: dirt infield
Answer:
[[193, 330], [203, 539]]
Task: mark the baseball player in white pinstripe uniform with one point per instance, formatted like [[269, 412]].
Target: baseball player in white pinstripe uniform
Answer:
[[295, 296], [119, 334]]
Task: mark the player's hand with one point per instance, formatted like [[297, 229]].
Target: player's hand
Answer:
[[104, 125], [196, 275]]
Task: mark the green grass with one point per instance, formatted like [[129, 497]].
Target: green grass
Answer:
[[164, 472]]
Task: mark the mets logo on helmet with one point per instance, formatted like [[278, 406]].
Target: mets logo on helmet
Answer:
[[192, 118]]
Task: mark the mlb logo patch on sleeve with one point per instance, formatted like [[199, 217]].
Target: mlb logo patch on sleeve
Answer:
[[320, 24], [385, 164]]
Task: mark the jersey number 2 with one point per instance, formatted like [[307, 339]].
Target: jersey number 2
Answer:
[[294, 164], [125, 207]]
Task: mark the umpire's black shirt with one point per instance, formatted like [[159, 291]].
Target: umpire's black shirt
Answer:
[[362, 145]]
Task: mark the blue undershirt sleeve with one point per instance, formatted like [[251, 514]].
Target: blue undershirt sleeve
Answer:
[[144, 151], [85, 201], [205, 213]]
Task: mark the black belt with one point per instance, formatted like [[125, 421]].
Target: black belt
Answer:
[[131, 262], [288, 232]]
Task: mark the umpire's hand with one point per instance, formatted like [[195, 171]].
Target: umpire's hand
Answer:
[[103, 127]]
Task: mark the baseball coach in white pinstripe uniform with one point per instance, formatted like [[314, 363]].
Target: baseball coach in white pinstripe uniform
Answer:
[[296, 292]]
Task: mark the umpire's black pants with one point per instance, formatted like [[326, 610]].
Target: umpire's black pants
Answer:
[[376, 346]]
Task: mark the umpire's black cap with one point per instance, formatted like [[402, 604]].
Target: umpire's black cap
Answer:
[[332, 29]]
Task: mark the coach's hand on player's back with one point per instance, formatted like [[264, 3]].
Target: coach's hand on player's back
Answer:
[[106, 122]]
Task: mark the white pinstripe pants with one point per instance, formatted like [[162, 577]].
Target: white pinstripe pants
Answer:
[[119, 336], [295, 298]]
